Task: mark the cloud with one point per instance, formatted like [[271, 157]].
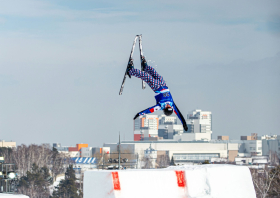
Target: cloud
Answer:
[[219, 12], [273, 24], [33, 8]]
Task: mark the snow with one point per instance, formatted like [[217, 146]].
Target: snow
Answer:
[[13, 195], [218, 181], [58, 179], [56, 183], [200, 181]]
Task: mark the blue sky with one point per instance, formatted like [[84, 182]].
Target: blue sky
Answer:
[[62, 63]]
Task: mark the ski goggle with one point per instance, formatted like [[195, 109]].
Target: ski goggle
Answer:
[[168, 106]]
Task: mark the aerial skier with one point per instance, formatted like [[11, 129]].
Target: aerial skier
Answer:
[[162, 94]]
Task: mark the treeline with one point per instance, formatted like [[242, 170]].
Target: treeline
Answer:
[[37, 167], [42, 155], [37, 183]]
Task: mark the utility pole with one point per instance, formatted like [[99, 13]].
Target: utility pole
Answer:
[[137, 166], [103, 159], [119, 150]]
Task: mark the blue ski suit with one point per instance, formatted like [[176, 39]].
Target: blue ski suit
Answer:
[[162, 93]]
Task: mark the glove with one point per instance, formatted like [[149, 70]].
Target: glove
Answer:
[[130, 63], [136, 116], [185, 127], [129, 67], [143, 63]]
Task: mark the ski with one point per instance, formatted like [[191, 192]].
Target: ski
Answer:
[[130, 57], [141, 55]]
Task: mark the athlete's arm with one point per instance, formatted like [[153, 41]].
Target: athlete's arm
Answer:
[[149, 110], [181, 117]]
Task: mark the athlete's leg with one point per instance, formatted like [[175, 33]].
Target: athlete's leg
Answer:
[[152, 82], [155, 75]]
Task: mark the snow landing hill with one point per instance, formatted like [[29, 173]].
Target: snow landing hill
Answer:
[[192, 181]]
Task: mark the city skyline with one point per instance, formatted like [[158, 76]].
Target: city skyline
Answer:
[[62, 64]]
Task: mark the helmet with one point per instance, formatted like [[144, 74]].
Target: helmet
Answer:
[[168, 110]]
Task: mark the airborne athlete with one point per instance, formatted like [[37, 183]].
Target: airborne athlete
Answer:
[[162, 94]]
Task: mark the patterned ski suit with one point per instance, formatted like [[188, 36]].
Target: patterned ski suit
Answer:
[[162, 93]]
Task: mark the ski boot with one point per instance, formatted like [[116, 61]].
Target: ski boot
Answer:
[[129, 67], [143, 63]]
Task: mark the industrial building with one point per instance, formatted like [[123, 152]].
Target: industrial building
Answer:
[[159, 127], [10, 144], [81, 150], [163, 137], [165, 134], [183, 152], [197, 151]]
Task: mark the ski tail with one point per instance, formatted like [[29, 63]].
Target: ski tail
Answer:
[[130, 57]]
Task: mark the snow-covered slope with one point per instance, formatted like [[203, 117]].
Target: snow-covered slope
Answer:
[[200, 181], [13, 195]]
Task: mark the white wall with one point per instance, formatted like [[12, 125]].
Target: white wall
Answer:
[[253, 146], [193, 137], [86, 152], [220, 148], [233, 146], [74, 154]]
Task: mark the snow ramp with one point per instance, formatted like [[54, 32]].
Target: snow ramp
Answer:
[[196, 181]]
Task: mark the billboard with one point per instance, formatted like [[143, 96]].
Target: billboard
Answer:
[[84, 160]]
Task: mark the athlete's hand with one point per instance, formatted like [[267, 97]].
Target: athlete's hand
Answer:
[[143, 63], [185, 127], [136, 116]]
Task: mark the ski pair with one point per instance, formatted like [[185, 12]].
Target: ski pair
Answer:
[[130, 57]]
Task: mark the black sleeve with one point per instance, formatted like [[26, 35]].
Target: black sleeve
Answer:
[[181, 117]]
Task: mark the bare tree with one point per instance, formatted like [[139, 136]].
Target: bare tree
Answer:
[[264, 180], [147, 161], [59, 162], [275, 186], [163, 161], [42, 155], [25, 156]]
